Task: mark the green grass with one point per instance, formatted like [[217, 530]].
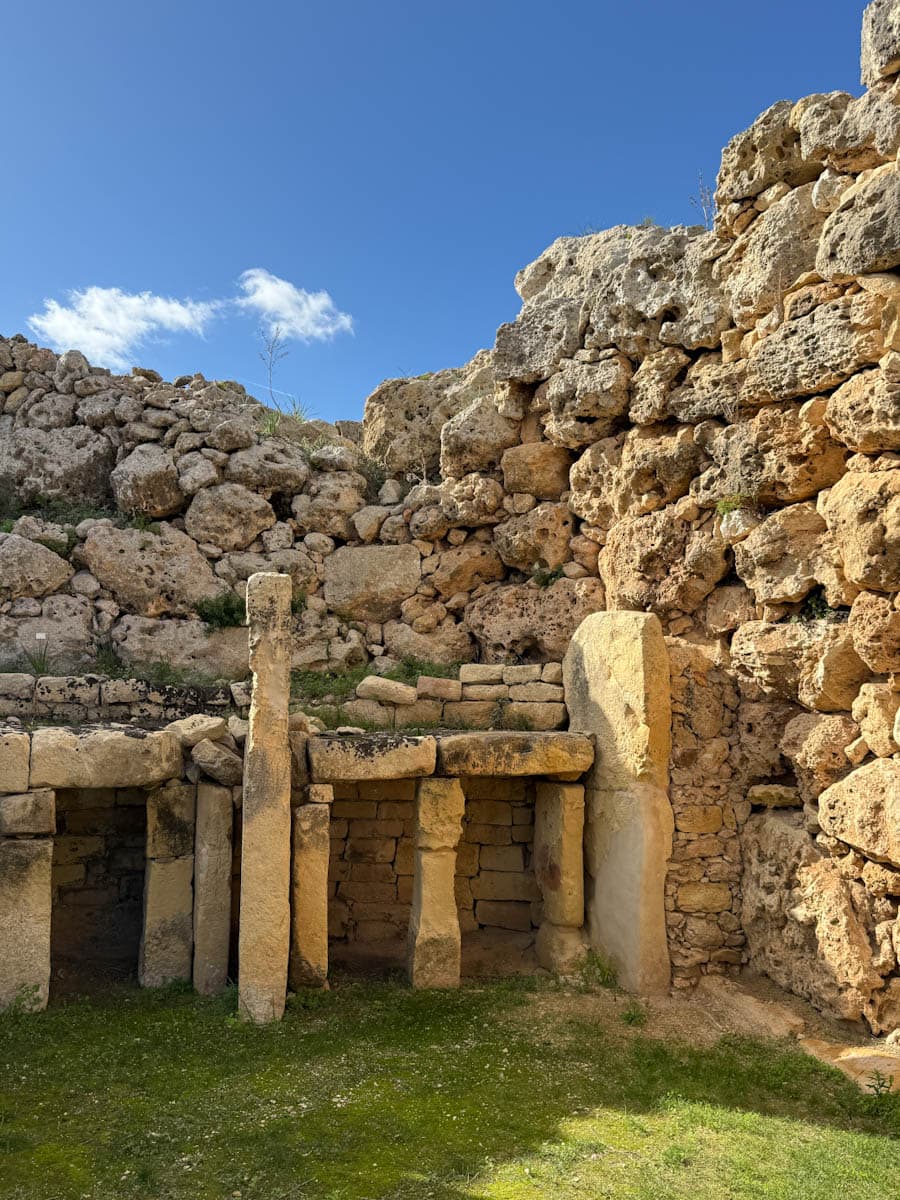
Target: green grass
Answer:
[[375, 1091], [338, 686]]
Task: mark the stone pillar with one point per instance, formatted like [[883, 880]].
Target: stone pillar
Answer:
[[212, 888], [25, 887], [264, 940], [559, 870], [311, 847], [616, 673], [433, 953], [167, 937]]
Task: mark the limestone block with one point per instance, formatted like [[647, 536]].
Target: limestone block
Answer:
[[558, 851], [357, 758], [170, 820], [220, 763], [537, 691], [616, 674], [433, 951], [101, 758], [212, 888], [371, 582], [704, 897], [309, 894], [537, 715], [440, 804], [320, 793], [469, 714], [15, 749], [297, 741], [501, 753], [538, 468], [25, 900], [228, 515], [264, 943], [29, 569], [167, 937], [774, 795], [422, 712], [875, 711], [29, 812], [560, 948], [525, 673], [864, 810], [431, 687], [195, 728], [481, 673], [880, 54], [385, 691], [146, 482]]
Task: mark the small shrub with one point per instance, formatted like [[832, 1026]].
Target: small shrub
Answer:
[[298, 604], [6, 526], [39, 659], [62, 548], [633, 1016], [816, 608], [543, 575], [880, 1084], [374, 473], [734, 502], [268, 425], [143, 523], [222, 612], [595, 971], [107, 661]]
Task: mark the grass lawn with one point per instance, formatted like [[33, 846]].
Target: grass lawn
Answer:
[[520, 1091]]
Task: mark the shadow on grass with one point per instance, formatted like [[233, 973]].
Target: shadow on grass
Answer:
[[377, 1091]]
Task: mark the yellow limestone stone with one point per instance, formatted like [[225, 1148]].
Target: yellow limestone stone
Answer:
[[212, 888], [264, 939], [309, 893], [617, 688], [433, 955], [25, 922]]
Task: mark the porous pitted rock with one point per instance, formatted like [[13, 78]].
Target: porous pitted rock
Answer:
[[634, 473], [863, 810], [802, 928], [146, 482], [270, 466], [880, 54], [875, 629], [189, 646], [65, 626], [813, 662], [784, 557], [585, 400], [30, 569], [229, 516], [464, 568], [875, 711], [862, 235], [852, 135], [536, 468], [154, 574], [385, 756], [782, 454], [660, 563], [813, 351], [447, 643], [863, 514], [815, 744], [864, 412], [766, 153], [370, 582], [652, 384], [103, 758], [502, 754], [711, 388], [329, 502], [69, 464], [532, 623], [539, 536], [471, 501], [475, 438]]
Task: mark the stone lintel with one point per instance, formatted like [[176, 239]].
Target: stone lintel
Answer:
[[506, 754], [358, 758]]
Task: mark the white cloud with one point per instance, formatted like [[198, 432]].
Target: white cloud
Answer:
[[109, 325], [296, 313]]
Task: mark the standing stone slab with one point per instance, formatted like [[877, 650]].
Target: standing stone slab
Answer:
[[212, 888], [264, 940], [25, 899], [309, 894], [433, 951], [15, 749], [616, 674], [167, 937], [559, 851]]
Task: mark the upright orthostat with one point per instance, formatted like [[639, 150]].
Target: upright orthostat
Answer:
[[264, 942]]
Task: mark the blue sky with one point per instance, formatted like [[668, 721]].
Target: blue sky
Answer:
[[403, 159]]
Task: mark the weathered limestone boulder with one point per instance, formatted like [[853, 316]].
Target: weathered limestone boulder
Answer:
[[170, 820], [815, 745], [880, 55], [863, 514], [218, 762], [661, 563], [466, 567], [634, 473], [875, 711], [768, 152], [196, 472], [186, 645], [30, 569], [851, 134], [370, 582], [146, 482], [434, 943], [447, 643], [71, 464], [538, 469], [813, 662], [763, 263], [329, 502], [167, 936], [270, 466], [875, 628], [783, 454], [504, 754], [310, 848], [386, 691], [28, 813], [784, 557], [376, 756], [229, 516], [25, 900], [103, 758], [196, 728], [864, 412], [802, 928], [862, 235], [472, 501], [652, 384], [212, 888], [531, 347], [813, 351], [475, 438], [65, 623], [244, 563], [585, 399], [15, 752], [711, 388], [153, 574], [539, 536], [530, 621], [863, 810]]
